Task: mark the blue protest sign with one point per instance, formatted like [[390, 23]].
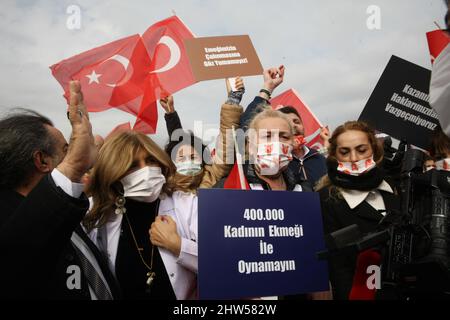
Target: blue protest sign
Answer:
[[259, 243]]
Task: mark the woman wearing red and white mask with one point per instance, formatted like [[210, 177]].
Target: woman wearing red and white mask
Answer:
[[270, 141], [354, 192]]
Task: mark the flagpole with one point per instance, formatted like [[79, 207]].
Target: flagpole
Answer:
[[193, 34], [239, 161]]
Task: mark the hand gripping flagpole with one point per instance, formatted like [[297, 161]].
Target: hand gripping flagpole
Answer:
[[239, 160]]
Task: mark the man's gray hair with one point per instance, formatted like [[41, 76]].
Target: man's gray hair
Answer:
[[22, 133]]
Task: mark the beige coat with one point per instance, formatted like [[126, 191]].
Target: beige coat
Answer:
[[223, 161]]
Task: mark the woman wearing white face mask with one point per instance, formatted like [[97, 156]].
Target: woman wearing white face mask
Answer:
[[146, 231], [354, 192], [195, 167], [270, 140], [270, 151]]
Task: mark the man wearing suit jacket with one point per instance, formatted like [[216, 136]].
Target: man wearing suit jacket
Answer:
[[44, 253]]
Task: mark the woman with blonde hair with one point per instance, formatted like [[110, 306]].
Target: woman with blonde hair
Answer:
[[354, 192], [270, 142], [269, 139], [133, 197]]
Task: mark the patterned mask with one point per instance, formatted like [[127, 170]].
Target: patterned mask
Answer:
[[356, 168], [272, 157]]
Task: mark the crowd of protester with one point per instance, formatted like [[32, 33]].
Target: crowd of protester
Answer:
[[122, 213]]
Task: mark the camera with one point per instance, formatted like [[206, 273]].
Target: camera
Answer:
[[415, 242]]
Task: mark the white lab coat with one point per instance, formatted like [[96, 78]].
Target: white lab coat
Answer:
[[182, 270]]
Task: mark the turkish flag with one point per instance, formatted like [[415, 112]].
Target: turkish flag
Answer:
[[170, 70], [119, 64], [311, 124], [147, 118], [132, 73], [233, 180], [437, 41]]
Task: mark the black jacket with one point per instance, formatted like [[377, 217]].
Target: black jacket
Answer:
[[312, 167], [35, 244], [173, 123], [336, 215], [256, 106]]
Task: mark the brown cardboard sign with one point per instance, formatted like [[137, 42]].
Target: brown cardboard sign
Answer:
[[222, 57]]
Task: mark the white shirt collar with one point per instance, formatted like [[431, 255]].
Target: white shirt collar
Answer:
[[306, 151], [356, 197]]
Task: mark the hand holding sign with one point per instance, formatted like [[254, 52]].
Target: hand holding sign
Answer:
[[231, 84], [234, 84], [235, 90]]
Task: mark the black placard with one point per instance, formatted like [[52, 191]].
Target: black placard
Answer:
[[399, 106]]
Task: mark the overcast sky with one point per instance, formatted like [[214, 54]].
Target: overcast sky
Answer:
[[331, 57]]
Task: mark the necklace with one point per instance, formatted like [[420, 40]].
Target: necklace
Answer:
[[150, 274]]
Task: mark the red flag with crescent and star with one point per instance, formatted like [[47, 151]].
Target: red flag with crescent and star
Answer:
[[132, 73], [102, 69]]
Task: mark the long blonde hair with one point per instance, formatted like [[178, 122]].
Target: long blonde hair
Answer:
[[115, 159]]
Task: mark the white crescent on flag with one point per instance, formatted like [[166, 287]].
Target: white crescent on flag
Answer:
[[125, 63], [175, 54]]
